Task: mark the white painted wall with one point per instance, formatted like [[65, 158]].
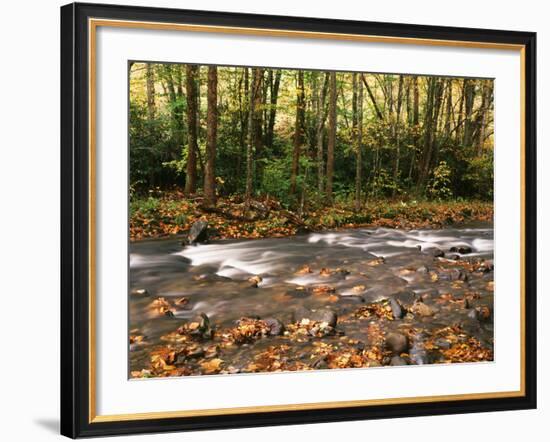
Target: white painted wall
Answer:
[[29, 218]]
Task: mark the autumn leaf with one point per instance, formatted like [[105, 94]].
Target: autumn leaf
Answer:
[[212, 366]]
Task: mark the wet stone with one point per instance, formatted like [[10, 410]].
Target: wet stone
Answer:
[[434, 251], [276, 327], [198, 232], [461, 249], [398, 360], [397, 311], [397, 343]]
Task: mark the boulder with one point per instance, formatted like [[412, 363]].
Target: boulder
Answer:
[[198, 232]]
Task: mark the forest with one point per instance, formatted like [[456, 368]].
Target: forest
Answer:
[[325, 148]]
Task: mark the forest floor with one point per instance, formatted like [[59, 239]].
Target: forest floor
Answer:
[[166, 213]]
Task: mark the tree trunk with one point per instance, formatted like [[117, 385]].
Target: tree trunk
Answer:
[[254, 128], [150, 92], [433, 105], [469, 98], [320, 124], [448, 108], [211, 136], [483, 118], [372, 98], [298, 131], [396, 130], [359, 145], [273, 97], [415, 120], [192, 147], [331, 135]]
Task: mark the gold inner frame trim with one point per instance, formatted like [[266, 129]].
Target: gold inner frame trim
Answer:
[[93, 24]]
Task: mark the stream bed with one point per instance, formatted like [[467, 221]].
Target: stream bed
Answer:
[[335, 299]]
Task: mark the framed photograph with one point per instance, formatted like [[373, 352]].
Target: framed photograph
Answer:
[[274, 220]]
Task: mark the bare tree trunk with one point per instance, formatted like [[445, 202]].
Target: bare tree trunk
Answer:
[[448, 108], [150, 92], [321, 117], [331, 135], [396, 131], [469, 98], [416, 118], [211, 137], [298, 131], [273, 97], [359, 147], [433, 105], [485, 106], [192, 147], [372, 98], [254, 135]]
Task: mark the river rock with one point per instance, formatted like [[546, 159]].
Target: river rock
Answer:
[[461, 249], [434, 251], [321, 315], [325, 315], [276, 327], [198, 232], [405, 298], [470, 325], [397, 361], [419, 356], [423, 270], [421, 309], [396, 309], [481, 313], [253, 281], [320, 363], [397, 342], [204, 330], [487, 266], [453, 275]]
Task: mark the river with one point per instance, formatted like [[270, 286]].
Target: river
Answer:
[[341, 271]]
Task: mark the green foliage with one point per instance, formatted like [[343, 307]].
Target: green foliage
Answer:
[[480, 176], [439, 186], [276, 179], [158, 140], [146, 206], [383, 185]]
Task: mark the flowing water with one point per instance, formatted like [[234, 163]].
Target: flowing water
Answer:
[[214, 279]]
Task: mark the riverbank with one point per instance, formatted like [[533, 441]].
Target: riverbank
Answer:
[[163, 214]]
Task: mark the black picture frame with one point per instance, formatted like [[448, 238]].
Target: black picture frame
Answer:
[[75, 219]]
